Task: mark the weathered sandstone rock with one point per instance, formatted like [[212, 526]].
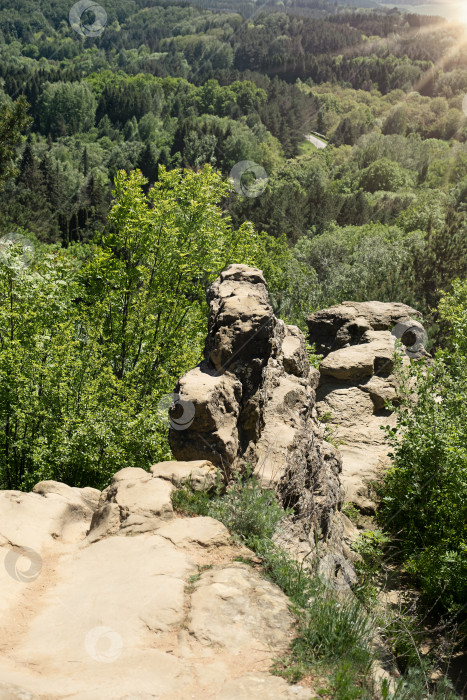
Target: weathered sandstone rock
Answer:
[[134, 501], [147, 605], [345, 324], [253, 400], [235, 607], [262, 687], [358, 341], [200, 474]]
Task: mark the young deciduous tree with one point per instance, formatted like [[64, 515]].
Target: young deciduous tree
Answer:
[[87, 351]]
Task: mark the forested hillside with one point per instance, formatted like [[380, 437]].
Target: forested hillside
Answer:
[[145, 145], [377, 213]]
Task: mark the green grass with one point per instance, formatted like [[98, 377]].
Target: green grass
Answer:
[[334, 632]]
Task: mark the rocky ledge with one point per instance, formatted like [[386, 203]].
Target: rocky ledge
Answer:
[[112, 595]]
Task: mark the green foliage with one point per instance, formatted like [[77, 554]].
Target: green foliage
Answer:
[[90, 343], [331, 631], [248, 510], [415, 687], [13, 121], [386, 175], [425, 492], [361, 263], [172, 84], [186, 500], [370, 545], [351, 512], [66, 108], [314, 357]]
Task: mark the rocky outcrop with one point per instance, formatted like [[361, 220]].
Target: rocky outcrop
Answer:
[[358, 342], [252, 402], [344, 325], [114, 596]]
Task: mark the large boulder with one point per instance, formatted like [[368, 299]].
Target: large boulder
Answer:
[[251, 402], [359, 344], [135, 501], [374, 355]]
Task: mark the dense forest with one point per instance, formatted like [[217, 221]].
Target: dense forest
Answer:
[[146, 144], [378, 212]]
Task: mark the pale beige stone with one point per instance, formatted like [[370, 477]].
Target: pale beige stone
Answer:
[[134, 502], [14, 692], [235, 607], [204, 531], [262, 686], [200, 474]]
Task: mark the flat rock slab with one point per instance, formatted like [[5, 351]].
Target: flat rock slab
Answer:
[[234, 607], [131, 615], [205, 532], [360, 361], [261, 686]]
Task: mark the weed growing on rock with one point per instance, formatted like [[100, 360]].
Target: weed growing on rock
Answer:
[[335, 633], [186, 500], [248, 510]]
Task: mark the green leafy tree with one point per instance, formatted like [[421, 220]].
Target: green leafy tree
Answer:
[[386, 175], [13, 121], [66, 108], [87, 350]]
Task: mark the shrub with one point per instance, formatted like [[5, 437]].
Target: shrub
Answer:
[[248, 510], [424, 497]]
